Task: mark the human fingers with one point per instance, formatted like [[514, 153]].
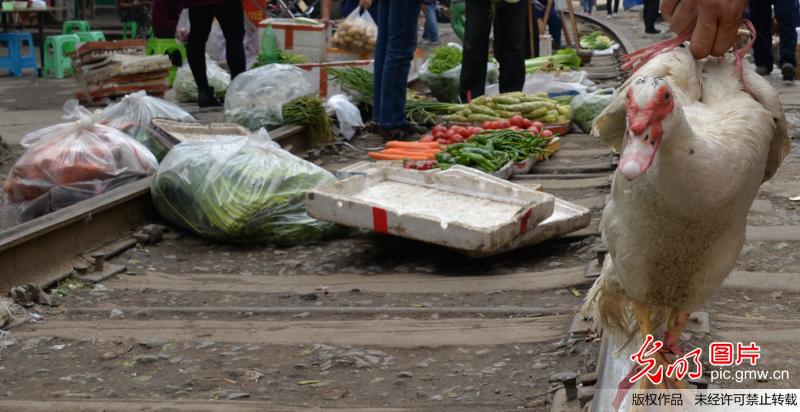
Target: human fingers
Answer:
[[684, 16], [668, 8], [727, 33], [705, 32], [365, 3]]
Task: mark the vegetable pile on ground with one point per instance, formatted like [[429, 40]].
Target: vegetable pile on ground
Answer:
[[398, 150], [491, 150], [596, 41], [534, 107], [284, 57], [564, 59], [240, 189], [442, 72], [358, 83]]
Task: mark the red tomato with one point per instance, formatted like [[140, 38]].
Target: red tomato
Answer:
[[426, 138], [547, 134], [497, 124], [515, 128], [504, 124], [516, 120], [538, 125], [487, 124], [438, 128], [456, 138], [526, 123], [459, 130], [440, 134], [441, 141]]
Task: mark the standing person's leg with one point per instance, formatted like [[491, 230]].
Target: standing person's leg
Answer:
[[509, 45], [200, 19], [788, 14], [761, 17], [608, 7], [403, 19], [231, 21], [587, 6], [554, 25], [650, 14], [431, 32], [616, 6], [382, 7], [477, 26]]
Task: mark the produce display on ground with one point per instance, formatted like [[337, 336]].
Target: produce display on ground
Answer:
[[534, 107], [358, 32], [564, 59], [399, 150], [442, 73], [240, 189], [596, 41], [186, 88], [283, 57], [586, 106], [70, 162], [491, 150], [133, 113]]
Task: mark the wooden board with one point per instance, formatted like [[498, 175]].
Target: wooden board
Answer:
[[384, 283], [397, 333]]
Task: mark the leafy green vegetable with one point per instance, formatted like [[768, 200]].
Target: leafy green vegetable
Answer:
[[445, 58], [306, 110], [564, 59], [587, 106], [240, 189], [284, 57], [596, 41]]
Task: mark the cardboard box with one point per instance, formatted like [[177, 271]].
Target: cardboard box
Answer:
[[299, 37]]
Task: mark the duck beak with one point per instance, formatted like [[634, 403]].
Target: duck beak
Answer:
[[638, 154]]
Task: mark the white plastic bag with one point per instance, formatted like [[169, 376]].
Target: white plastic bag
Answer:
[[358, 32], [186, 88], [547, 83], [72, 161], [216, 46], [133, 113], [240, 189], [256, 97], [347, 114], [182, 31]]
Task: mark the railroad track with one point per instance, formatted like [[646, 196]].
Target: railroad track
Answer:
[[367, 323]]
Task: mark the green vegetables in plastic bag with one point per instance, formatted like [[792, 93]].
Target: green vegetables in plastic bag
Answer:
[[240, 189], [457, 18], [587, 106]]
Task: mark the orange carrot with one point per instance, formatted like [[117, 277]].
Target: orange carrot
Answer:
[[391, 156], [404, 151], [410, 145]]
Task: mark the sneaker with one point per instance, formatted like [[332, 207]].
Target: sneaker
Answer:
[[763, 71], [788, 72]]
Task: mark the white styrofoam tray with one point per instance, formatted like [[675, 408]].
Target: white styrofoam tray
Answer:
[[460, 208]]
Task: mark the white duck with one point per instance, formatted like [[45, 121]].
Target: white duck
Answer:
[[695, 149]]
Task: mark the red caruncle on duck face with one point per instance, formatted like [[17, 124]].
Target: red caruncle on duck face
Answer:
[[648, 102]]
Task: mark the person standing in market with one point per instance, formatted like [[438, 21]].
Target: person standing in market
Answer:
[[650, 15], [508, 18], [615, 10], [787, 13], [229, 14], [431, 31], [553, 20]]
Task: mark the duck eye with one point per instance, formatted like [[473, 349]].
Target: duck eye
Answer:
[[666, 96]]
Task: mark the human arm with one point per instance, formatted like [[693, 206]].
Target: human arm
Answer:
[[716, 23], [365, 4]]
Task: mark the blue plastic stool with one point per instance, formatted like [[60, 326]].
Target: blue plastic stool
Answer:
[[16, 61]]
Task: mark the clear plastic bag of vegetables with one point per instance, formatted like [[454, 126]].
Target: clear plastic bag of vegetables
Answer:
[[358, 32], [256, 97], [133, 113], [442, 73], [71, 162], [186, 88], [587, 106], [240, 189]]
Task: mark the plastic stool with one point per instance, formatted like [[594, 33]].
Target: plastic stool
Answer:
[[87, 36], [130, 30], [15, 62], [76, 25], [56, 62], [166, 46]]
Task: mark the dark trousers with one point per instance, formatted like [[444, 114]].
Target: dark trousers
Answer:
[[650, 14], [509, 46], [616, 6], [397, 39], [231, 20], [787, 13]]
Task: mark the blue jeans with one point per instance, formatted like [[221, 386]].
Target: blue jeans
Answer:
[[787, 13], [431, 31], [397, 39], [553, 25], [587, 6]]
